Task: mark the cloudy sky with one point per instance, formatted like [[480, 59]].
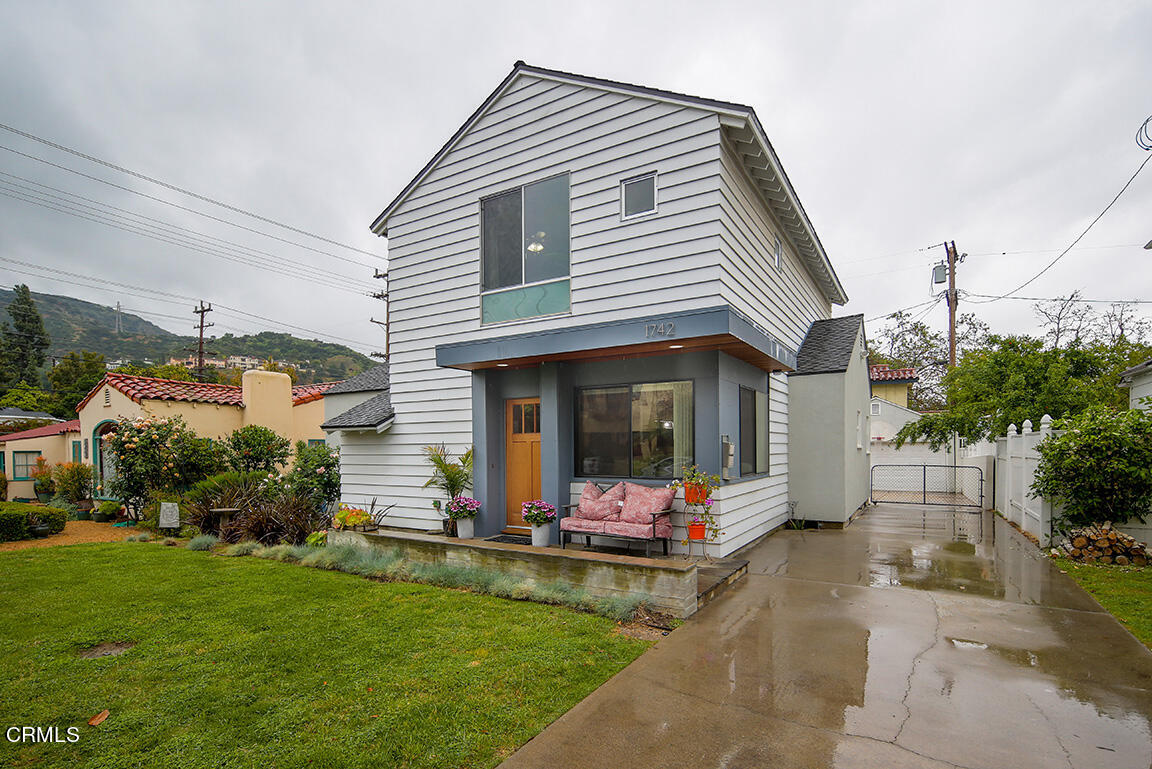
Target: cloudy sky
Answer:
[[1004, 126]]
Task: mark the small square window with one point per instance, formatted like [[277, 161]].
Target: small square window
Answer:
[[779, 255], [875, 409], [638, 196]]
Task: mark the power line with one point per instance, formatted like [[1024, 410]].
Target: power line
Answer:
[[182, 208], [163, 225], [168, 296], [182, 190], [1064, 299], [932, 302], [71, 211], [1139, 134]]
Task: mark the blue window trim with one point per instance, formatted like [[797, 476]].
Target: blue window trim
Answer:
[[15, 463]]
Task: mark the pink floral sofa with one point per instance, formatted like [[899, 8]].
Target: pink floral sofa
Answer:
[[625, 511]]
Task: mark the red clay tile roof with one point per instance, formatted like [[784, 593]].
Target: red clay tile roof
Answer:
[[307, 393], [140, 388], [40, 432], [880, 372]]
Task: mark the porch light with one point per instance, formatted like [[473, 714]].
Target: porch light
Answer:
[[675, 346], [502, 365], [667, 425]]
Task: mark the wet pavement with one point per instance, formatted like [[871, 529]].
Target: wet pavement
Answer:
[[914, 638]]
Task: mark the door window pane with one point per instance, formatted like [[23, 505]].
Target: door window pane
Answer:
[[662, 440], [639, 196], [602, 431], [546, 230], [501, 246], [517, 419], [762, 417]]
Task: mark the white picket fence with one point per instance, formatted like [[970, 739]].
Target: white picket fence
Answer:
[[1016, 462]]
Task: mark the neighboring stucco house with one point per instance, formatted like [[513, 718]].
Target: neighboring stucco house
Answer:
[[597, 281], [211, 410], [828, 446], [892, 384], [58, 442], [1138, 380]]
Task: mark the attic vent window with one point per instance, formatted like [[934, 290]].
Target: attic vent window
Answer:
[[875, 409], [638, 196], [107, 397]]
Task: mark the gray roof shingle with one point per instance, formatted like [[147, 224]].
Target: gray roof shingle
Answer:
[[827, 348], [375, 378], [371, 413]]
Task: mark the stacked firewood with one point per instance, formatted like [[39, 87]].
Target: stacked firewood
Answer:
[[1101, 543]]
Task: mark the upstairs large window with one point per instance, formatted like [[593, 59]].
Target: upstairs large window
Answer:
[[634, 431], [524, 251]]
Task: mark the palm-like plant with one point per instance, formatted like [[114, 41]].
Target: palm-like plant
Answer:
[[451, 477]]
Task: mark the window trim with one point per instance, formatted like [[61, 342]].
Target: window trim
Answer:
[[15, 463], [655, 196], [523, 256], [875, 410], [578, 475]]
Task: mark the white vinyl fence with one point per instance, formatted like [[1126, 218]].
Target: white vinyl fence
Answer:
[[1016, 462]]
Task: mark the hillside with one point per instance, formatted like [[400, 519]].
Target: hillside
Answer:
[[74, 325]]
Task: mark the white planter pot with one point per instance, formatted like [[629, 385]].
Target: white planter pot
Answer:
[[465, 528], [540, 535]]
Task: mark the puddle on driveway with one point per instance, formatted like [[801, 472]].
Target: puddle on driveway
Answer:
[[937, 549]]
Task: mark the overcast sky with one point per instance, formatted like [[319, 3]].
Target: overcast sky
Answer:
[[1003, 126]]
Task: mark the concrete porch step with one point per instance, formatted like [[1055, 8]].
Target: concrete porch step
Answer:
[[713, 578]]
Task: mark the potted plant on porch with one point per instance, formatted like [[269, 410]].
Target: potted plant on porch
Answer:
[[463, 511], [698, 485], [42, 482], [451, 477], [540, 515]]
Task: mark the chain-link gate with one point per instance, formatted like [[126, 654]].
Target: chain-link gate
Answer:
[[952, 485]]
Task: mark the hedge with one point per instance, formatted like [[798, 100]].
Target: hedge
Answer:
[[14, 519]]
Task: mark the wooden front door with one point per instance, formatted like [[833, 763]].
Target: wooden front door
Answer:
[[522, 460]]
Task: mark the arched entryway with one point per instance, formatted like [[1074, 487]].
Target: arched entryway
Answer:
[[103, 459]]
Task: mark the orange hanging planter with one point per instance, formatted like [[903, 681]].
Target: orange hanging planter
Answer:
[[697, 531], [695, 494]]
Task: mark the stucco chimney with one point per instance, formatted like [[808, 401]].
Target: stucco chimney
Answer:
[[268, 400]]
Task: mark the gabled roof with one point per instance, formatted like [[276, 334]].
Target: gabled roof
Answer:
[[72, 426], [881, 372], [375, 378], [1139, 368], [141, 388], [740, 125], [372, 413], [828, 346]]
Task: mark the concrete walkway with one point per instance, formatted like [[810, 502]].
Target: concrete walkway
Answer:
[[914, 638]]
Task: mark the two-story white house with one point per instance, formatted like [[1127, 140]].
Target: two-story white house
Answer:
[[596, 280]]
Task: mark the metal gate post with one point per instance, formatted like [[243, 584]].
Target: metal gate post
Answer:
[[924, 487]]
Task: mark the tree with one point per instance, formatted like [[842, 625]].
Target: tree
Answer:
[[908, 343], [24, 396], [1018, 378], [73, 378], [23, 344], [161, 371], [1066, 319], [271, 365], [255, 447]]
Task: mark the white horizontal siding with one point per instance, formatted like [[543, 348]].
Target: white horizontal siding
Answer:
[[784, 301]]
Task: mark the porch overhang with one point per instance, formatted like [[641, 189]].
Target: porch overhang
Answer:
[[714, 328]]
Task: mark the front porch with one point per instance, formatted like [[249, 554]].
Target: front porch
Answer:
[[671, 585]]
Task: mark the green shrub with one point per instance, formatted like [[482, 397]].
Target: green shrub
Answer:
[[315, 474], [3, 487], [73, 481], [242, 548], [224, 490], [256, 448], [1098, 469], [141, 537], [110, 508], [13, 524], [203, 542], [60, 503]]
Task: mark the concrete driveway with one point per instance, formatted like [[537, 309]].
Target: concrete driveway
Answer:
[[914, 638]]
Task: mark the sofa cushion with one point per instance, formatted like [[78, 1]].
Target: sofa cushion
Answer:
[[639, 501], [596, 505], [663, 529], [582, 525]]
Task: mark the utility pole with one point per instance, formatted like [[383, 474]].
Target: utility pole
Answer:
[[119, 322], [954, 259], [383, 295], [202, 310]]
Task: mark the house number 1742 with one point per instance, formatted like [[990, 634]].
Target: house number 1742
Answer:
[[664, 328]]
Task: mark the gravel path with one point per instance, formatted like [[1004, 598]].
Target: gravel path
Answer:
[[75, 533]]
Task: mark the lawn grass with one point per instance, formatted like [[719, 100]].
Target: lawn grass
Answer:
[[251, 662], [1125, 591]]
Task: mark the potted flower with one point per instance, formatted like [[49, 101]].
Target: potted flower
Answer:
[[42, 482], [697, 484], [109, 510], [702, 524], [36, 527], [463, 510], [540, 515], [351, 518]]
